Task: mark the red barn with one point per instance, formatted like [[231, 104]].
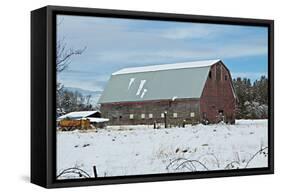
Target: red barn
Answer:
[[191, 92]]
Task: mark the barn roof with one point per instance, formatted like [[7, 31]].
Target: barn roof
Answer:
[[78, 114], [169, 81]]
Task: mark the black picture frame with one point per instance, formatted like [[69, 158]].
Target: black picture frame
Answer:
[[43, 98]]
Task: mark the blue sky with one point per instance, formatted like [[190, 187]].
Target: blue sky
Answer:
[[113, 44]]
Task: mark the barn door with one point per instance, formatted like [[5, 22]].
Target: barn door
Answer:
[[220, 115]]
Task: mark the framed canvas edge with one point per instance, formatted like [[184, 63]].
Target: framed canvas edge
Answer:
[[51, 181], [38, 157]]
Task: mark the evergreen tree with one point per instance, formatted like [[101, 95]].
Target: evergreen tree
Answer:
[[252, 98]]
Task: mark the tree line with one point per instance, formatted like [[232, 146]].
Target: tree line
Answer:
[[69, 101], [252, 98]]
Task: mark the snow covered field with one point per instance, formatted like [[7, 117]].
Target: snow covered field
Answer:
[[135, 150]]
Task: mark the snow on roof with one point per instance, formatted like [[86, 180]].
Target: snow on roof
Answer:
[[78, 114], [97, 120], [172, 81], [193, 64]]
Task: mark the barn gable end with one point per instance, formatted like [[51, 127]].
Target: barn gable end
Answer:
[[218, 98]]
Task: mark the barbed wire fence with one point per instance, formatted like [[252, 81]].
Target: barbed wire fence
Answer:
[[193, 165], [76, 172]]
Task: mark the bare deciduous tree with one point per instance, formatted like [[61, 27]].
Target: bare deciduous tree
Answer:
[[66, 100], [64, 54]]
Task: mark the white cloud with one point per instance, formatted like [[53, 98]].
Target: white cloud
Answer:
[[84, 80], [89, 85], [180, 54], [192, 32], [116, 41]]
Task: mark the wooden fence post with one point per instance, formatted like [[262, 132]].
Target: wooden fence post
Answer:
[[95, 172]]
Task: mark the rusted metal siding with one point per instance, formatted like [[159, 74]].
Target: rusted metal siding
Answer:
[[218, 95], [119, 112]]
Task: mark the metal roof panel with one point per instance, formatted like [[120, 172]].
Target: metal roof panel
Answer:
[[159, 83]]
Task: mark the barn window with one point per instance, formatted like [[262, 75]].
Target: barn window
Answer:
[[192, 114], [143, 116], [150, 115], [131, 116], [175, 115], [210, 74], [162, 115], [225, 77]]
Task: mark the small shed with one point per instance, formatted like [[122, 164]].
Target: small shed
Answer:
[[94, 117]]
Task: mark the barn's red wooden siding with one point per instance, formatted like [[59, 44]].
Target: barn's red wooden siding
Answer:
[[218, 95], [119, 112]]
